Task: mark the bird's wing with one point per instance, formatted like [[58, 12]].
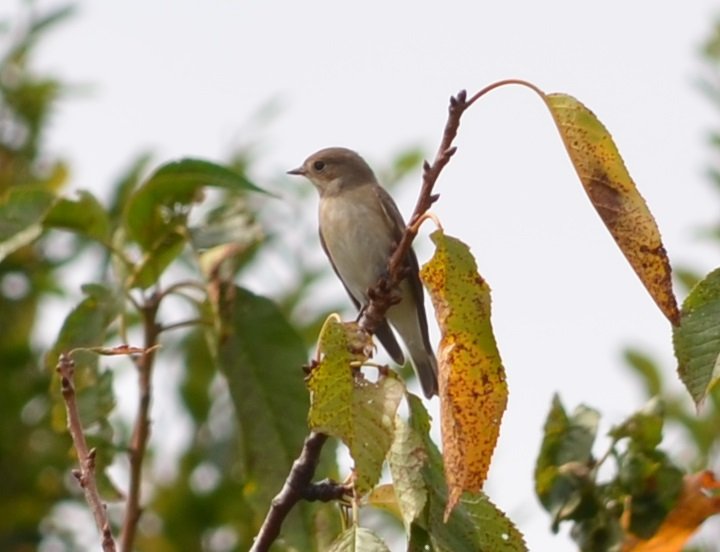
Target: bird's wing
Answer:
[[383, 332], [397, 225]]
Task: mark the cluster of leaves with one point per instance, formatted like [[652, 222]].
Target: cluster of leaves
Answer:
[[644, 489], [426, 492]]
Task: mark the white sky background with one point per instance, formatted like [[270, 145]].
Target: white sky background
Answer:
[[182, 78]]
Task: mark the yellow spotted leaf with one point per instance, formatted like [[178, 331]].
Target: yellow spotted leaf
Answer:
[[615, 197], [698, 501], [345, 405], [473, 391]]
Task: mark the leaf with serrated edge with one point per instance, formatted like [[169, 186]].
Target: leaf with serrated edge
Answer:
[[406, 459], [473, 390], [615, 197], [357, 411], [697, 338], [261, 355], [475, 523], [358, 539]]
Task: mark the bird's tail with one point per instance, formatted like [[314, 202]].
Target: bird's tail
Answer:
[[426, 369]]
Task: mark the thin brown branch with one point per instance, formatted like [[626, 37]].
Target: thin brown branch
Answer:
[[86, 457], [298, 486], [381, 296], [141, 429]]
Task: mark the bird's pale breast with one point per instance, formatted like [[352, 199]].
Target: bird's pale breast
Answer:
[[358, 238]]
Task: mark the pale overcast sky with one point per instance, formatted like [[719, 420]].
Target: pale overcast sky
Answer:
[[183, 77]]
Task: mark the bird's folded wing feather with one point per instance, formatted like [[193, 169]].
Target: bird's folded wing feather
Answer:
[[383, 332]]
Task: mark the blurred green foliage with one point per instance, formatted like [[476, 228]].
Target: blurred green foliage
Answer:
[[33, 457]]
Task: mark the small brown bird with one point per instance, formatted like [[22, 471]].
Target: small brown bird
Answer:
[[359, 226]]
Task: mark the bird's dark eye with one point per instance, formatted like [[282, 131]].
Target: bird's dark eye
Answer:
[[319, 165]]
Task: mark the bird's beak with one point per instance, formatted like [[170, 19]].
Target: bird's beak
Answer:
[[300, 171]]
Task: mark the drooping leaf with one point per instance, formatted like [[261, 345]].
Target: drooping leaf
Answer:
[[156, 213], [84, 216], [697, 338], [406, 459], [358, 539], [473, 390], [261, 356], [615, 197], [22, 211], [357, 411], [474, 524], [172, 186]]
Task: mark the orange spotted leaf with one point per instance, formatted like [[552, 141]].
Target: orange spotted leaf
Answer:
[[615, 197], [473, 391]]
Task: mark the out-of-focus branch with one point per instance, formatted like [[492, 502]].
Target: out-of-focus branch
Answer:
[[141, 430], [86, 457]]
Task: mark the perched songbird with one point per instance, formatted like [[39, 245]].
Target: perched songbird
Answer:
[[359, 227]]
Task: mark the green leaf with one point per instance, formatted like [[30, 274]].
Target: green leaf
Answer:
[[125, 186], [358, 539], [86, 326], [358, 411], [152, 209], [232, 222], [84, 216], [643, 428], [261, 356], [155, 261], [647, 369], [654, 485], [475, 523], [564, 459], [22, 211], [156, 213], [406, 460], [697, 338]]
